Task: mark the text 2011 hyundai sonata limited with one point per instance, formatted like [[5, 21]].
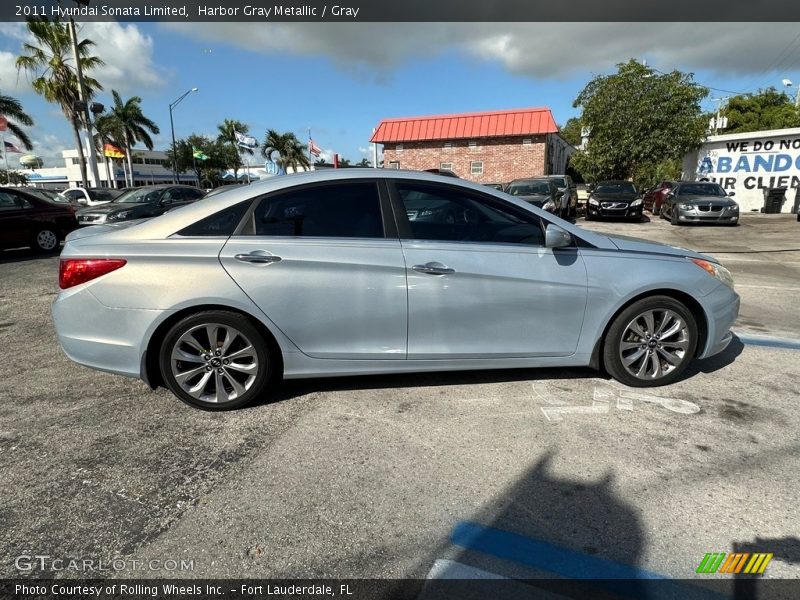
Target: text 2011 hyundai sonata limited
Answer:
[[334, 273]]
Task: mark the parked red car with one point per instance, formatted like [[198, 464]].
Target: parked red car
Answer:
[[655, 197], [31, 220]]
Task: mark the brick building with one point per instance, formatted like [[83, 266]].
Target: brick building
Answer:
[[486, 147]]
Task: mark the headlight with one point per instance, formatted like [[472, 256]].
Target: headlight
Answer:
[[549, 205], [636, 202], [120, 215], [715, 270], [593, 202]]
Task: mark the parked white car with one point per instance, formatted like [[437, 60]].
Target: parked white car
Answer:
[[90, 196]]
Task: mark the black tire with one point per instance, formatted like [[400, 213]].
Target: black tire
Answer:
[[673, 217], [620, 333], [588, 216], [45, 240], [210, 360]]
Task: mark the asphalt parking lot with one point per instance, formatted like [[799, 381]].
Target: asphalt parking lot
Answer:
[[415, 475]]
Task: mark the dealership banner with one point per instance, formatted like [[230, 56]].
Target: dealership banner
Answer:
[[749, 165]]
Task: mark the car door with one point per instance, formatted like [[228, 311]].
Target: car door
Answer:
[[324, 264], [484, 286], [15, 226]]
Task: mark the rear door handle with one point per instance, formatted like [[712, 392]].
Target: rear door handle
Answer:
[[433, 268], [259, 257]]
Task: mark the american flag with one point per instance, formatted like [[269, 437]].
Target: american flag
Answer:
[[313, 148], [11, 148]]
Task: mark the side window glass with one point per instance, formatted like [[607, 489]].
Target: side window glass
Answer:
[[340, 210], [222, 223], [447, 214], [8, 201]]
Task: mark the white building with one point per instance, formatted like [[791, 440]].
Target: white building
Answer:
[[749, 163], [149, 167]]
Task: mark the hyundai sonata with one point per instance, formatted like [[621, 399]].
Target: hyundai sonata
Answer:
[[325, 273]]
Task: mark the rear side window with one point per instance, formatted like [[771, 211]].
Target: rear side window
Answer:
[[222, 223], [338, 210]]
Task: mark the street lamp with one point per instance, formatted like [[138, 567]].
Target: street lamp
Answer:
[[788, 83], [172, 127]]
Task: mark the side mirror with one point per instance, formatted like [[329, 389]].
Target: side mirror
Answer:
[[559, 194], [555, 237], [731, 193], [166, 202]]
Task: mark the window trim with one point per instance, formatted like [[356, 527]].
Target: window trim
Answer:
[[448, 167]]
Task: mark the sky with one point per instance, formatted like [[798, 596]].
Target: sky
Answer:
[[340, 79]]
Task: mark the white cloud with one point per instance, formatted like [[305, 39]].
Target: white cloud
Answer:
[[549, 50], [127, 52]]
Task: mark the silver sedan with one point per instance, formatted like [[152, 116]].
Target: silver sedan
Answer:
[[324, 274]]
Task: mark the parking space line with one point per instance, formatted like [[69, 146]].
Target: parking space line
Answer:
[[769, 342]]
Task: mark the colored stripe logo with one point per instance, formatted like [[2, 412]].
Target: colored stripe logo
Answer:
[[738, 562]]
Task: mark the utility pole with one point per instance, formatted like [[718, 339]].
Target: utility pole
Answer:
[[84, 106], [719, 121]]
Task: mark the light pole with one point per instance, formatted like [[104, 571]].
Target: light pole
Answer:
[[172, 127], [788, 83]]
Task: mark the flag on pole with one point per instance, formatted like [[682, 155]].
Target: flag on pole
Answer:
[[245, 141], [313, 148], [9, 147], [112, 151], [199, 154]]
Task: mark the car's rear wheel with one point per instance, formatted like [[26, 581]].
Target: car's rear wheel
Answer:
[[651, 342], [215, 360], [45, 240]]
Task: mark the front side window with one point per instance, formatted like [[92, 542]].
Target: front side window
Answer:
[[455, 215], [339, 210]]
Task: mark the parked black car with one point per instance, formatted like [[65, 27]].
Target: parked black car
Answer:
[[615, 199], [140, 203], [539, 191], [569, 200], [32, 220]]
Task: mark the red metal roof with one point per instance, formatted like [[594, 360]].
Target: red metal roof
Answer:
[[496, 123]]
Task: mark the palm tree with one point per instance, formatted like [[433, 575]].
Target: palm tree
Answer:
[[291, 152], [49, 60], [227, 134], [364, 162], [132, 124], [12, 110]]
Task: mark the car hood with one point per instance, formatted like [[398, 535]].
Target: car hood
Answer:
[[705, 200], [632, 244], [537, 198], [92, 230], [108, 207]]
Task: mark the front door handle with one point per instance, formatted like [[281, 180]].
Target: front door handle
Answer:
[[433, 268], [258, 257]]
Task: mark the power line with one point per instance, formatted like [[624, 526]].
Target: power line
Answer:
[[783, 55], [708, 86]]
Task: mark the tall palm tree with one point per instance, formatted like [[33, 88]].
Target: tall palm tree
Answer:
[[13, 111], [132, 124], [291, 152], [227, 134], [49, 60]]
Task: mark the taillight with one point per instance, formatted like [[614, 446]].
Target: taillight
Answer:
[[73, 271]]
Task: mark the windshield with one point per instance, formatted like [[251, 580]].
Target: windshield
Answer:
[[139, 196], [617, 187], [528, 188], [101, 195], [560, 182], [701, 189]]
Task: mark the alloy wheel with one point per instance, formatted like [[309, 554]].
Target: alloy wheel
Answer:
[[214, 362], [654, 344], [46, 240]]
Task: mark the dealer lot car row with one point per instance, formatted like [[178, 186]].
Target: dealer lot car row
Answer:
[[370, 271]]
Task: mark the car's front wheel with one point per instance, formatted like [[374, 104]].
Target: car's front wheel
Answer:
[[215, 360], [45, 240], [651, 342]]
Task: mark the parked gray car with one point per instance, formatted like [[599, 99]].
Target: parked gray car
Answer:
[[324, 273], [699, 202]]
